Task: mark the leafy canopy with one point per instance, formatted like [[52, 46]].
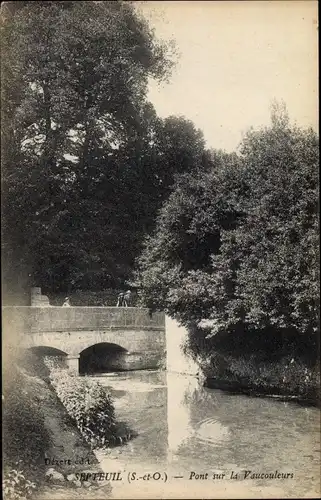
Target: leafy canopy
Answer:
[[86, 161], [236, 246]]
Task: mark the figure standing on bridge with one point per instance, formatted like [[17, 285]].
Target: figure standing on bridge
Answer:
[[127, 298], [120, 300], [66, 302]]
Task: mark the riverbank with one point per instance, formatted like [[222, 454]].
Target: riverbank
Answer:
[[68, 456], [236, 387], [42, 442], [287, 378], [270, 362]]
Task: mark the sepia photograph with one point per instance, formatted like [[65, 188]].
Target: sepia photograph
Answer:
[[160, 250]]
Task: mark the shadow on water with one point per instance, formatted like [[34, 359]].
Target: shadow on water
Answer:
[[123, 434]]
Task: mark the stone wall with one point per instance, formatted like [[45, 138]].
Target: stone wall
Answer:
[[37, 299], [176, 360]]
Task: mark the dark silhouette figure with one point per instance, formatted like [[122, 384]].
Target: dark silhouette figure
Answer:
[[127, 298], [66, 302], [120, 300]]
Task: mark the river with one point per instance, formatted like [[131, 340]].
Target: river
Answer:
[[183, 428]]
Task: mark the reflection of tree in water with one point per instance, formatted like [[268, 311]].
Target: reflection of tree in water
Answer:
[[235, 431], [144, 409], [219, 417], [198, 396], [205, 403]]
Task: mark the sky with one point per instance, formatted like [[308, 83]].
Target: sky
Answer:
[[236, 57]]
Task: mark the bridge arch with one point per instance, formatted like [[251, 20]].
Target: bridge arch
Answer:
[[46, 350], [33, 358], [102, 357]]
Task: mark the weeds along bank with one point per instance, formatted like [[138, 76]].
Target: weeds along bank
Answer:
[[264, 364], [89, 405], [288, 377], [49, 413]]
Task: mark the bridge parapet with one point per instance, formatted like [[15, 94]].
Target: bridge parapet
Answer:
[[58, 319]]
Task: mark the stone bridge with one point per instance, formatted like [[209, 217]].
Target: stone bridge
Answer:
[[109, 338]]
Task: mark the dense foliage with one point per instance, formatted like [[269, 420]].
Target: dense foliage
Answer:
[[86, 162], [236, 246], [88, 404]]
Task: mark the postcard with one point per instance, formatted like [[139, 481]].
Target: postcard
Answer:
[[160, 243]]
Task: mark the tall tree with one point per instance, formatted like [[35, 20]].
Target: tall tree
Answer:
[[236, 247], [75, 78]]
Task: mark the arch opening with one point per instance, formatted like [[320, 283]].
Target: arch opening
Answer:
[[32, 359], [101, 358], [47, 351]]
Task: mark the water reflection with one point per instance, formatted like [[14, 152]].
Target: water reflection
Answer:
[[183, 427], [212, 431], [179, 387]]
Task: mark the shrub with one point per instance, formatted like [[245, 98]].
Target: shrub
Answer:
[[88, 404], [16, 486]]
